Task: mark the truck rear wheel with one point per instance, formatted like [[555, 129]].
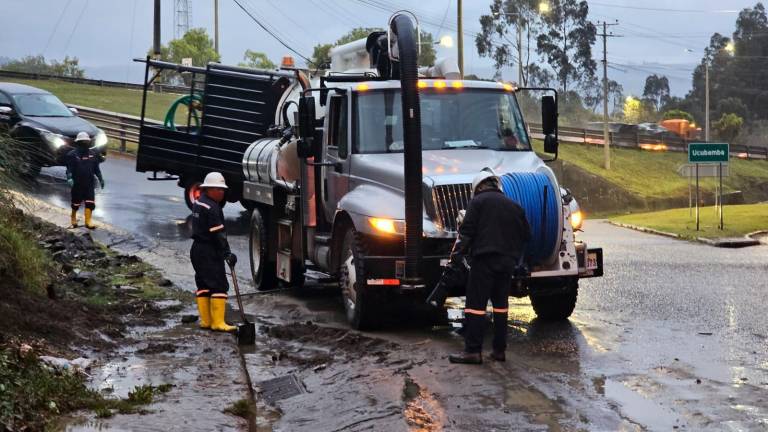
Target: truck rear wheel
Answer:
[[263, 270], [356, 294], [556, 304]]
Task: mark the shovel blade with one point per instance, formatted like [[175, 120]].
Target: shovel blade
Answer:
[[246, 334]]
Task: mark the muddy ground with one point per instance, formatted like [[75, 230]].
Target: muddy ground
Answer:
[[672, 338], [127, 327]]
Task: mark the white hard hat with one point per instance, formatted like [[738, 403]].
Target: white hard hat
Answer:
[[82, 136], [485, 174], [214, 180]]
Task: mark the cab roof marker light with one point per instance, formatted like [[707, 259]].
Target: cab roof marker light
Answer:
[[508, 87], [362, 87], [440, 84], [457, 84], [423, 84]]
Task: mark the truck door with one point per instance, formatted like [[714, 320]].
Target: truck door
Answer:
[[335, 178]]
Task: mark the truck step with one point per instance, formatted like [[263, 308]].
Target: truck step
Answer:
[[323, 238]]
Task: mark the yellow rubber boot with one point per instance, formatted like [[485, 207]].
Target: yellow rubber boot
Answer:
[[204, 310], [73, 219], [218, 309], [88, 215]]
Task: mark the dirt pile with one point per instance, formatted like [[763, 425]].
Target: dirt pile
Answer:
[[92, 295]]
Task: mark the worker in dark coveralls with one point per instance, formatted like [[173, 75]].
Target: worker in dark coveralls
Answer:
[[82, 171], [210, 250], [493, 233]]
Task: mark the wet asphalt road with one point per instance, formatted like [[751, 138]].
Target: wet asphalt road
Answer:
[[675, 336]]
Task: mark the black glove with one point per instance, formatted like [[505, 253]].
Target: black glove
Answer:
[[438, 295], [230, 258], [459, 251]]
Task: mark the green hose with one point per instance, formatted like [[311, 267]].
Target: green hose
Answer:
[[170, 122]]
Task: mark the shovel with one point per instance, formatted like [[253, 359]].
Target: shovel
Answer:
[[246, 331]]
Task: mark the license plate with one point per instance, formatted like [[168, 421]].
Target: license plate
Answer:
[[592, 261]]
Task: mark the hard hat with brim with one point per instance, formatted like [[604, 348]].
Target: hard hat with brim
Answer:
[[214, 180], [82, 136], [485, 174]]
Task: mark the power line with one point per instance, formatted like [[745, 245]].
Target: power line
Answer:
[[56, 27], [656, 9], [277, 38], [77, 23]]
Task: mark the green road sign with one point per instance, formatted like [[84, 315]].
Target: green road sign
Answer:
[[708, 152]]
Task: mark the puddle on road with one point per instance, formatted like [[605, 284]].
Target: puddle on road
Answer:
[[640, 410]]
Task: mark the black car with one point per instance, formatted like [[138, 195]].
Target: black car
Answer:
[[41, 121]]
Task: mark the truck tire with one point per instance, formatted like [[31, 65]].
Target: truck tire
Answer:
[[359, 304], [192, 192], [556, 306], [263, 271]]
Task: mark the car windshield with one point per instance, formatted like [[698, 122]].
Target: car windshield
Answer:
[[41, 105], [450, 119]]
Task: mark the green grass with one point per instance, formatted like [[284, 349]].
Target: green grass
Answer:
[[650, 174], [23, 263], [739, 220], [120, 100], [33, 396]]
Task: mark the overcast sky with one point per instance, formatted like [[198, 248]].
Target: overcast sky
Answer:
[[107, 34]]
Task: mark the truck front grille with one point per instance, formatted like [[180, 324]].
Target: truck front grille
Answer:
[[448, 201]]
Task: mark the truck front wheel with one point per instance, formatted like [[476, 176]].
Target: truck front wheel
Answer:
[[263, 270], [356, 294], [555, 303]]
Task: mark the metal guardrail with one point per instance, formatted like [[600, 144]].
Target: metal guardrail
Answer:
[[159, 88], [641, 141], [122, 127]]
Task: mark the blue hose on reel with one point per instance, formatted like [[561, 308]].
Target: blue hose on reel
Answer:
[[539, 197]]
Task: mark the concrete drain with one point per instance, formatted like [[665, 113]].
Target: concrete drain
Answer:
[[284, 387]]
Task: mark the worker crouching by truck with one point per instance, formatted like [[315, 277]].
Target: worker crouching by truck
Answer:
[[82, 168], [210, 250], [493, 234]]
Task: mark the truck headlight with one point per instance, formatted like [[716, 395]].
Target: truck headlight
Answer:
[[387, 226], [100, 140], [54, 140], [577, 219]]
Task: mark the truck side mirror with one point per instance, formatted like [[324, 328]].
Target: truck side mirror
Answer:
[[548, 115], [550, 144], [306, 142]]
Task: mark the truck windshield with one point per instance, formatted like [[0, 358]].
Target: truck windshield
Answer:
[[41, 105], [463, 119]]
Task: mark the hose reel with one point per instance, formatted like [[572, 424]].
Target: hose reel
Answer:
[[194, 104], [539, 197]]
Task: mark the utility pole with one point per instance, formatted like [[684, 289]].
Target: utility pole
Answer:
[[216, 26], [520, 50], [706, 102], [606, 135], [156, 44], [460, 38]]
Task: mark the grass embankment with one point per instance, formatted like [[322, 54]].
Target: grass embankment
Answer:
[[649, 174], [739, 220]]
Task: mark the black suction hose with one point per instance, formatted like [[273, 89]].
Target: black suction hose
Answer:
[[402, 28]]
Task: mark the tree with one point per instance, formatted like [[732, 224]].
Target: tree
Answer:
[[728, 127], [567, 43], [195, 44], [731, 105], [637, 110], [257, 60], [69, 67], [321, 54], [593, 95], [677, 114], [494, 40], [656, 90]]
